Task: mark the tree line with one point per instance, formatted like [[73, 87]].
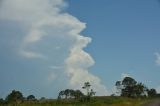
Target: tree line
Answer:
[[128, 87], [70, 94]]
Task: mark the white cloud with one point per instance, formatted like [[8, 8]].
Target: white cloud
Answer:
[[48, 27], [158, 58]]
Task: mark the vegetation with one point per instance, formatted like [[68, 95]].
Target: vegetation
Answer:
[[15, 97], [70, 94], [31, 98], [132, 93], [129, 87]]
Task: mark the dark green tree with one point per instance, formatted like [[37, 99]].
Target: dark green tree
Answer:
[[140, 90], [128, 81], [15, 97], [152, 92], [118, 87], [129, 87], [67, 93], [61, 94], [87, 86], [43, 99], [90, 92], [31, 98], [70, 94], [1, 101], [78, 94]]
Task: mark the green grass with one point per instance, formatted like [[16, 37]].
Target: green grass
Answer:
[[96, 101]]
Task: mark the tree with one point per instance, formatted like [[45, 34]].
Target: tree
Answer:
[[31, 98], [15, 97], [87, 87], [90, 93], [128, 81], [1, 101], [78, 94], [61, 94], [70, 94], [152, 92], [118, 87], [129, 87], [140, 90], [43, 99], [67, 93]]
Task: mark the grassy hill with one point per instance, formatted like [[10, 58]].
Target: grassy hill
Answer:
[[96, 101]]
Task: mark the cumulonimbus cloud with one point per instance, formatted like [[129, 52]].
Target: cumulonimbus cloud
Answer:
[[45, 20]]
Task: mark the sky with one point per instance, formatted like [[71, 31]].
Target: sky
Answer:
[[48, 46]]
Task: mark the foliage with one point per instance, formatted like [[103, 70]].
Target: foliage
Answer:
[[15, 97], [151, 92], [98, 101], [31, 98], [1, 101], [90, 93], [129, 87], [70, 94], [87, 86]]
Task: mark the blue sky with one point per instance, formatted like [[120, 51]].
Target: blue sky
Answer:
[[125, 36], [42, 44]]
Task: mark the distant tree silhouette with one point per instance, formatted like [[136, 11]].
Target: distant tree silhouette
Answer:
[[61, 94], [152, 92], [118, 87], [70, 94], [87, 87], [15, 97], [31, 98], [67, 93], [42, 99], [78, 94], [129, 87], [90, 93], [1, 101]]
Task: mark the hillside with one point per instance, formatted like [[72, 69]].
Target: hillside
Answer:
[[96, 101]]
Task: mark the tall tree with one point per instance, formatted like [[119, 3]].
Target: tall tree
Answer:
[[152, 92], [129, 87], [90, 93], [31, 98], [15, 96], [87, 86], [118, 87], [67, 93], [1, 101], [70, 94], [78, 94]]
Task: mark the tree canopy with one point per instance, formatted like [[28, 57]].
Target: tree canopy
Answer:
[[31, 97], [69, 94], [15, 96], [129, 87]]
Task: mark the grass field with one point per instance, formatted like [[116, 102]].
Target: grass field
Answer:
[[96, 101]]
